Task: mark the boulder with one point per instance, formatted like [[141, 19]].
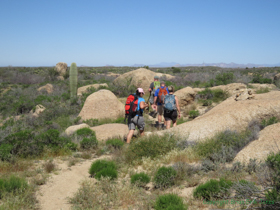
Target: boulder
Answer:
[[48, 87], [84, 89], [269, 141], [61, 68], [229, 114], [244, 95], [61, 78], [185, 96], [38, 110], [139, 78], [277, 77], [72, 129], [100, 105], [107, 131]]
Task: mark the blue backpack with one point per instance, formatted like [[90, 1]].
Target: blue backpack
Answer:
[[169, 102]]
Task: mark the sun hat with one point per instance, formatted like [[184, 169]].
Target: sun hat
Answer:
[[162, 82], [156, 77], [140, 90]]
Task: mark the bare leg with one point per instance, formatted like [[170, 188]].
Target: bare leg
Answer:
[[129, 136], [168, 123], [159, 118], [175, 123], [142, 132]]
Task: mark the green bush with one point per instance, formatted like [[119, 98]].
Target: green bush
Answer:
[[206, 102], [165, 177], [212, 189], [116, 143], [89, 143], [273, 162], [215, 95], [259, 79], [149, 146], [224, 78], [12, 184], [107, 172], [140, 179], [193, 113], [5, 152], [85, 132], [169, 202], [224, 145], [175, 70], [270, 121], [71, 146], [103, 168]]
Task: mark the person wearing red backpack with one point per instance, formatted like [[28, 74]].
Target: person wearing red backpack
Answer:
[[136, 118], [159, 98]]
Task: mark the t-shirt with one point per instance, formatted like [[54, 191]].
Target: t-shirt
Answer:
[[157, 92], [138, 105]]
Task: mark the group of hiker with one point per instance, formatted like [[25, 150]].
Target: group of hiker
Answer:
[[163, 102]]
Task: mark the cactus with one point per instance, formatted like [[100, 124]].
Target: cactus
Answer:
[[73, 78]]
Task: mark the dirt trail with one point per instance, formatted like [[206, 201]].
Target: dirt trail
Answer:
[[53, 195]]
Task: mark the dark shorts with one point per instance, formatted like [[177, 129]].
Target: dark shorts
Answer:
[[170, 115]]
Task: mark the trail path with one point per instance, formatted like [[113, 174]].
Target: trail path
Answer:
[[53, 195]]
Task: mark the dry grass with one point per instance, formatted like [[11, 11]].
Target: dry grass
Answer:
[[49, 166], [110, 195], [17, 166]]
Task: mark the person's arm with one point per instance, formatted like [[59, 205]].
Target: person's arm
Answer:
[[143, 105], [177, 105]]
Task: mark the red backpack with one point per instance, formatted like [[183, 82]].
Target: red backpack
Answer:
[[131, 105], [161, 94]]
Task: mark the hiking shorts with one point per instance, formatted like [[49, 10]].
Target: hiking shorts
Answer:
[[136, 121], [170, 115], [160, 109]]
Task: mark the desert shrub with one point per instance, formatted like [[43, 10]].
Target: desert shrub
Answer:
[[184, 170], [165, 177], [175, 70], [224, 78], [206, 102], [116, 143], [12, 184], [103, 168], [262, 90], [212, 189], [71, 146], [49, 166], [270, 121], [140, 179], [89, 143], [237, 167], [219, 95], [170, 202], [193, 113], [224, 146], [257, 78], [205, 94], [244, 189], [107, 172], [215, 95], [85, 132], [208, 165], [252, 166], [149, 146], [5, 152], [273, 162]]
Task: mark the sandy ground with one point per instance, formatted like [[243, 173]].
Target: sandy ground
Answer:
[[53, 195]]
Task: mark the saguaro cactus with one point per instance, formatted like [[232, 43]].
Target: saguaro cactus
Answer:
[[73, 78]]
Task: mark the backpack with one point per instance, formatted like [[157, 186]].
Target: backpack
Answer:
[[161, 94], [131, 106], [156, 85], [170, 102]]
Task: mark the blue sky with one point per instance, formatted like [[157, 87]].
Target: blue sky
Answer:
[[127, 32]]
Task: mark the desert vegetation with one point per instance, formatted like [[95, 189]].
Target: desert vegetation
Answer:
[[157, 171]]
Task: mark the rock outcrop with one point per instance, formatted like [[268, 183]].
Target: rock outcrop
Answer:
[[185, 96], [61, 68], [245, 94], [100, 105], [72, 129], [230, 114], [38, 110], [48, 87], [139, 78], [269, 141], [107, 131], [84, 89]]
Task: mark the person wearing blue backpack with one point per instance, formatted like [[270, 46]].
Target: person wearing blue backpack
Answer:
[[171, 108]]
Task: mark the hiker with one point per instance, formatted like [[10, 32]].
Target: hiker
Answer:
[[137, 119], [171, 108], [159, 98], [152, 89]]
